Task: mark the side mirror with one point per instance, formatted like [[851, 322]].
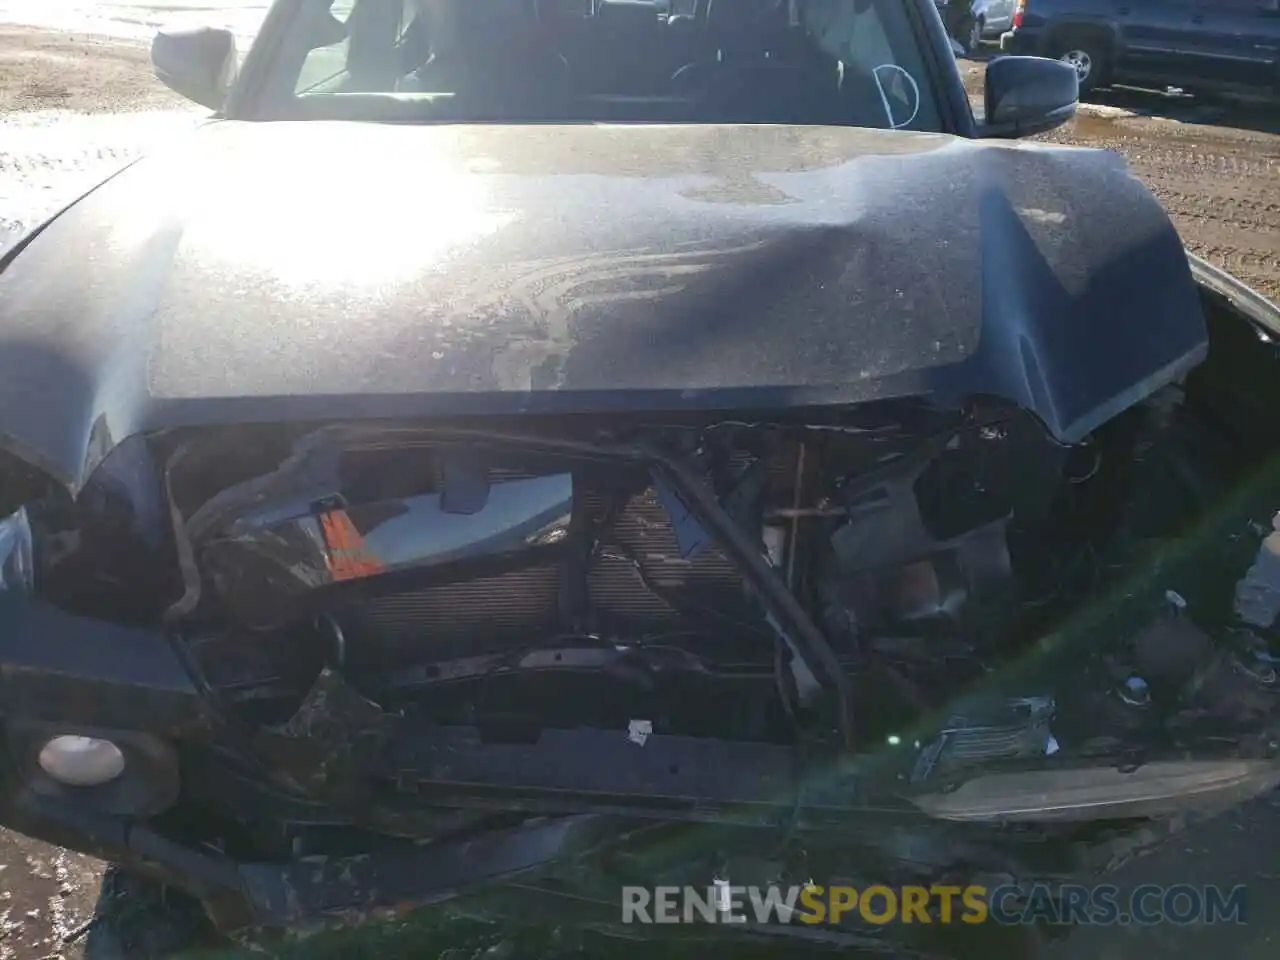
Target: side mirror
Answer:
[[1028, 95], [199, 63]]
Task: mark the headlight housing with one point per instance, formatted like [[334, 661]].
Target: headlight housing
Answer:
[[16, 566]]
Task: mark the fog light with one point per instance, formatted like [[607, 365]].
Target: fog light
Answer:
[[81, 761]]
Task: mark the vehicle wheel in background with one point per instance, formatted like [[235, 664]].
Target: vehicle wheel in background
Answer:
[[1089, 57], [137, 918]]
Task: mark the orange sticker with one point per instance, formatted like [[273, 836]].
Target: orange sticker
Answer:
[[349, 557]]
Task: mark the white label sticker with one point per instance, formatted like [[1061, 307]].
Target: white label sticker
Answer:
[[638, 731]]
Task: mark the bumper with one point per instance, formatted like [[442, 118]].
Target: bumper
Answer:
[[576, 794], [307, 895]]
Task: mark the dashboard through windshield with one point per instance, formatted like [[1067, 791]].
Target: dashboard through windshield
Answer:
[[846, 62]]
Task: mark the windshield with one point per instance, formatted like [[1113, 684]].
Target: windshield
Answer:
[[848, 62]]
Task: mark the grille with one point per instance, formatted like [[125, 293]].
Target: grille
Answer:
[[489, 614], [459, 619], [643, 533]]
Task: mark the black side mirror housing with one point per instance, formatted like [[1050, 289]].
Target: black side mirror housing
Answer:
[[1028, 95], [198, 62]]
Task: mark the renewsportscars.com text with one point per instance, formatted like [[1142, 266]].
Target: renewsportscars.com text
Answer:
[[1062, 904]]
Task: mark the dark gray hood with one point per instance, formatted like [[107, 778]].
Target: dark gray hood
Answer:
[[264, 272]]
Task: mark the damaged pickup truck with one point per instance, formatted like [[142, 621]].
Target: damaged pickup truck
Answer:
[[430, 484]]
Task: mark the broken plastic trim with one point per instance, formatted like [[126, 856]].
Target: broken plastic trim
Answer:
[[1099, 793]]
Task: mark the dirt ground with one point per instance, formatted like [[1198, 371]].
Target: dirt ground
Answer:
[[1217, 171], [40, 70]]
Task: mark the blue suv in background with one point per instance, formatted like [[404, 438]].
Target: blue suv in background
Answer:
[[1211, 46]]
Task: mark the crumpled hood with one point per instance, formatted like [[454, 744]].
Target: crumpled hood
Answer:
[[265, 272]]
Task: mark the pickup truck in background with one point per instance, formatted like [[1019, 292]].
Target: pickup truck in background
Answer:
[[1206, 46]]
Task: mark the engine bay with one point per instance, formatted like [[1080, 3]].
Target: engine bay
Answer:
[[453, 567], [837, 580]]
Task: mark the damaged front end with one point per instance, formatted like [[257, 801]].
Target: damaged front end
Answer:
[[343, 671]]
